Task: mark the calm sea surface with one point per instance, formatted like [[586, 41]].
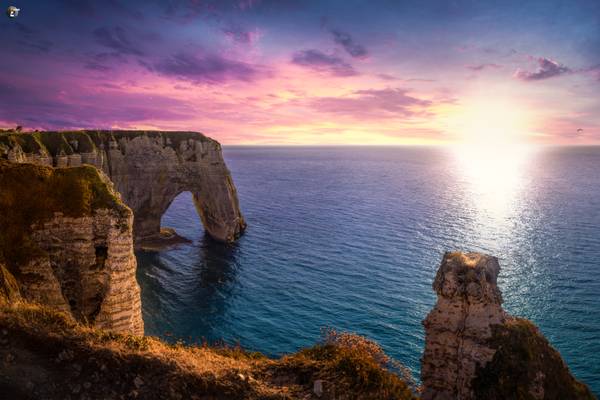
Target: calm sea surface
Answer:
[[351, 238]]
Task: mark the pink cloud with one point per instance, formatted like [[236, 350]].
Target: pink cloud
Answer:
[[481, 67], [546, 69], [373, 104]]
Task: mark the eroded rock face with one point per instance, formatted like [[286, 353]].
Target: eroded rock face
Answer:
[[475, 350], [67, 242], [469, 303], [149, 169]]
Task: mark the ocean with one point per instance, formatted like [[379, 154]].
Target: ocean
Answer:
[[351, 238]]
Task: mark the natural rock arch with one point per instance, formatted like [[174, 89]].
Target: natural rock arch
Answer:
[[148, 169]]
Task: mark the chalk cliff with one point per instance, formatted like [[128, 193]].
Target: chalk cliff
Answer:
[[475, 350], [66, 242], [148, 169]]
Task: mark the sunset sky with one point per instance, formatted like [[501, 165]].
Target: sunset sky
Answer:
[[308, 72]]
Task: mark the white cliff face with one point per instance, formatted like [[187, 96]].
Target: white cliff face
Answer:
[[74, 242], [148, 169], [89, 270], [459, 326]]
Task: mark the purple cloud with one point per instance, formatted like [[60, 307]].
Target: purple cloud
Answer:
[[116, 40], [81, 7], [547, 69], [481, 67], [347, 42], [373, 104], [247, 4], [206, 68], [388, 77], [319, 61], [32, 39], [594, 71], [96, 66], [240, 35], [54, 109]]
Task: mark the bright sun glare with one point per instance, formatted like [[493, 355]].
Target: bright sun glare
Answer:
[[492, 153], [491, 122]]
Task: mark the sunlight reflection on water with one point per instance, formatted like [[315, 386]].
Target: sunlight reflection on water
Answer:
[[493, 179]]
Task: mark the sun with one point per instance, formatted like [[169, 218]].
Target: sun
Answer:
[[490, 122]]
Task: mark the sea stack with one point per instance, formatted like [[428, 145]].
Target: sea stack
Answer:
[[475, 350]]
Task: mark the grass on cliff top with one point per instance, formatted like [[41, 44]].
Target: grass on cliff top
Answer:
[[31, 194], [522, 351], [69, 142], [100, 364]]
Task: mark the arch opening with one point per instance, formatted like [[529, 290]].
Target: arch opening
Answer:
[[178, 223], [182, 217]]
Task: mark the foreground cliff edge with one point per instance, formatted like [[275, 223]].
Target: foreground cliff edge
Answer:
[[148, 168]]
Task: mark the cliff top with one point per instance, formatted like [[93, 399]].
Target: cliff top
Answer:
[[31, 194], [54, 358], [70, 142], [468, 275]]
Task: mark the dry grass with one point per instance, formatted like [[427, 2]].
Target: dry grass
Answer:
[[108, 365], [351, 366], [31, 194], [9, 289]]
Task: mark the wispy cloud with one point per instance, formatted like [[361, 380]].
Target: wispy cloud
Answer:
[[243, 36], [207, 68], [546, 69], [344, 39], [81, 7], [594, 71], [247, 4], [481, 67], [117, 40], [79, 108], [32, 39], [319, 61], [373, 104]]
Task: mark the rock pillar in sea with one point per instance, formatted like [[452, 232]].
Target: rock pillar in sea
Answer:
[[475, 350]]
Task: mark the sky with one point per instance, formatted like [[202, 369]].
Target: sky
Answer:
[[308, 72]]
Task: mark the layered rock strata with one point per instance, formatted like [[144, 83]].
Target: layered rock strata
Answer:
[[148, 169], [475, 350], [66, 241]]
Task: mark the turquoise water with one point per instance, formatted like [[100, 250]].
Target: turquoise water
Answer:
[[351, 238]]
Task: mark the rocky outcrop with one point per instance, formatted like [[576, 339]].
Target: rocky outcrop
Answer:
[[475, 350], [148, 169], [66, 241]]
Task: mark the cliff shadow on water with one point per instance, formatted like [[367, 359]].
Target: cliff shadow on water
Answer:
[[198, 279]]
